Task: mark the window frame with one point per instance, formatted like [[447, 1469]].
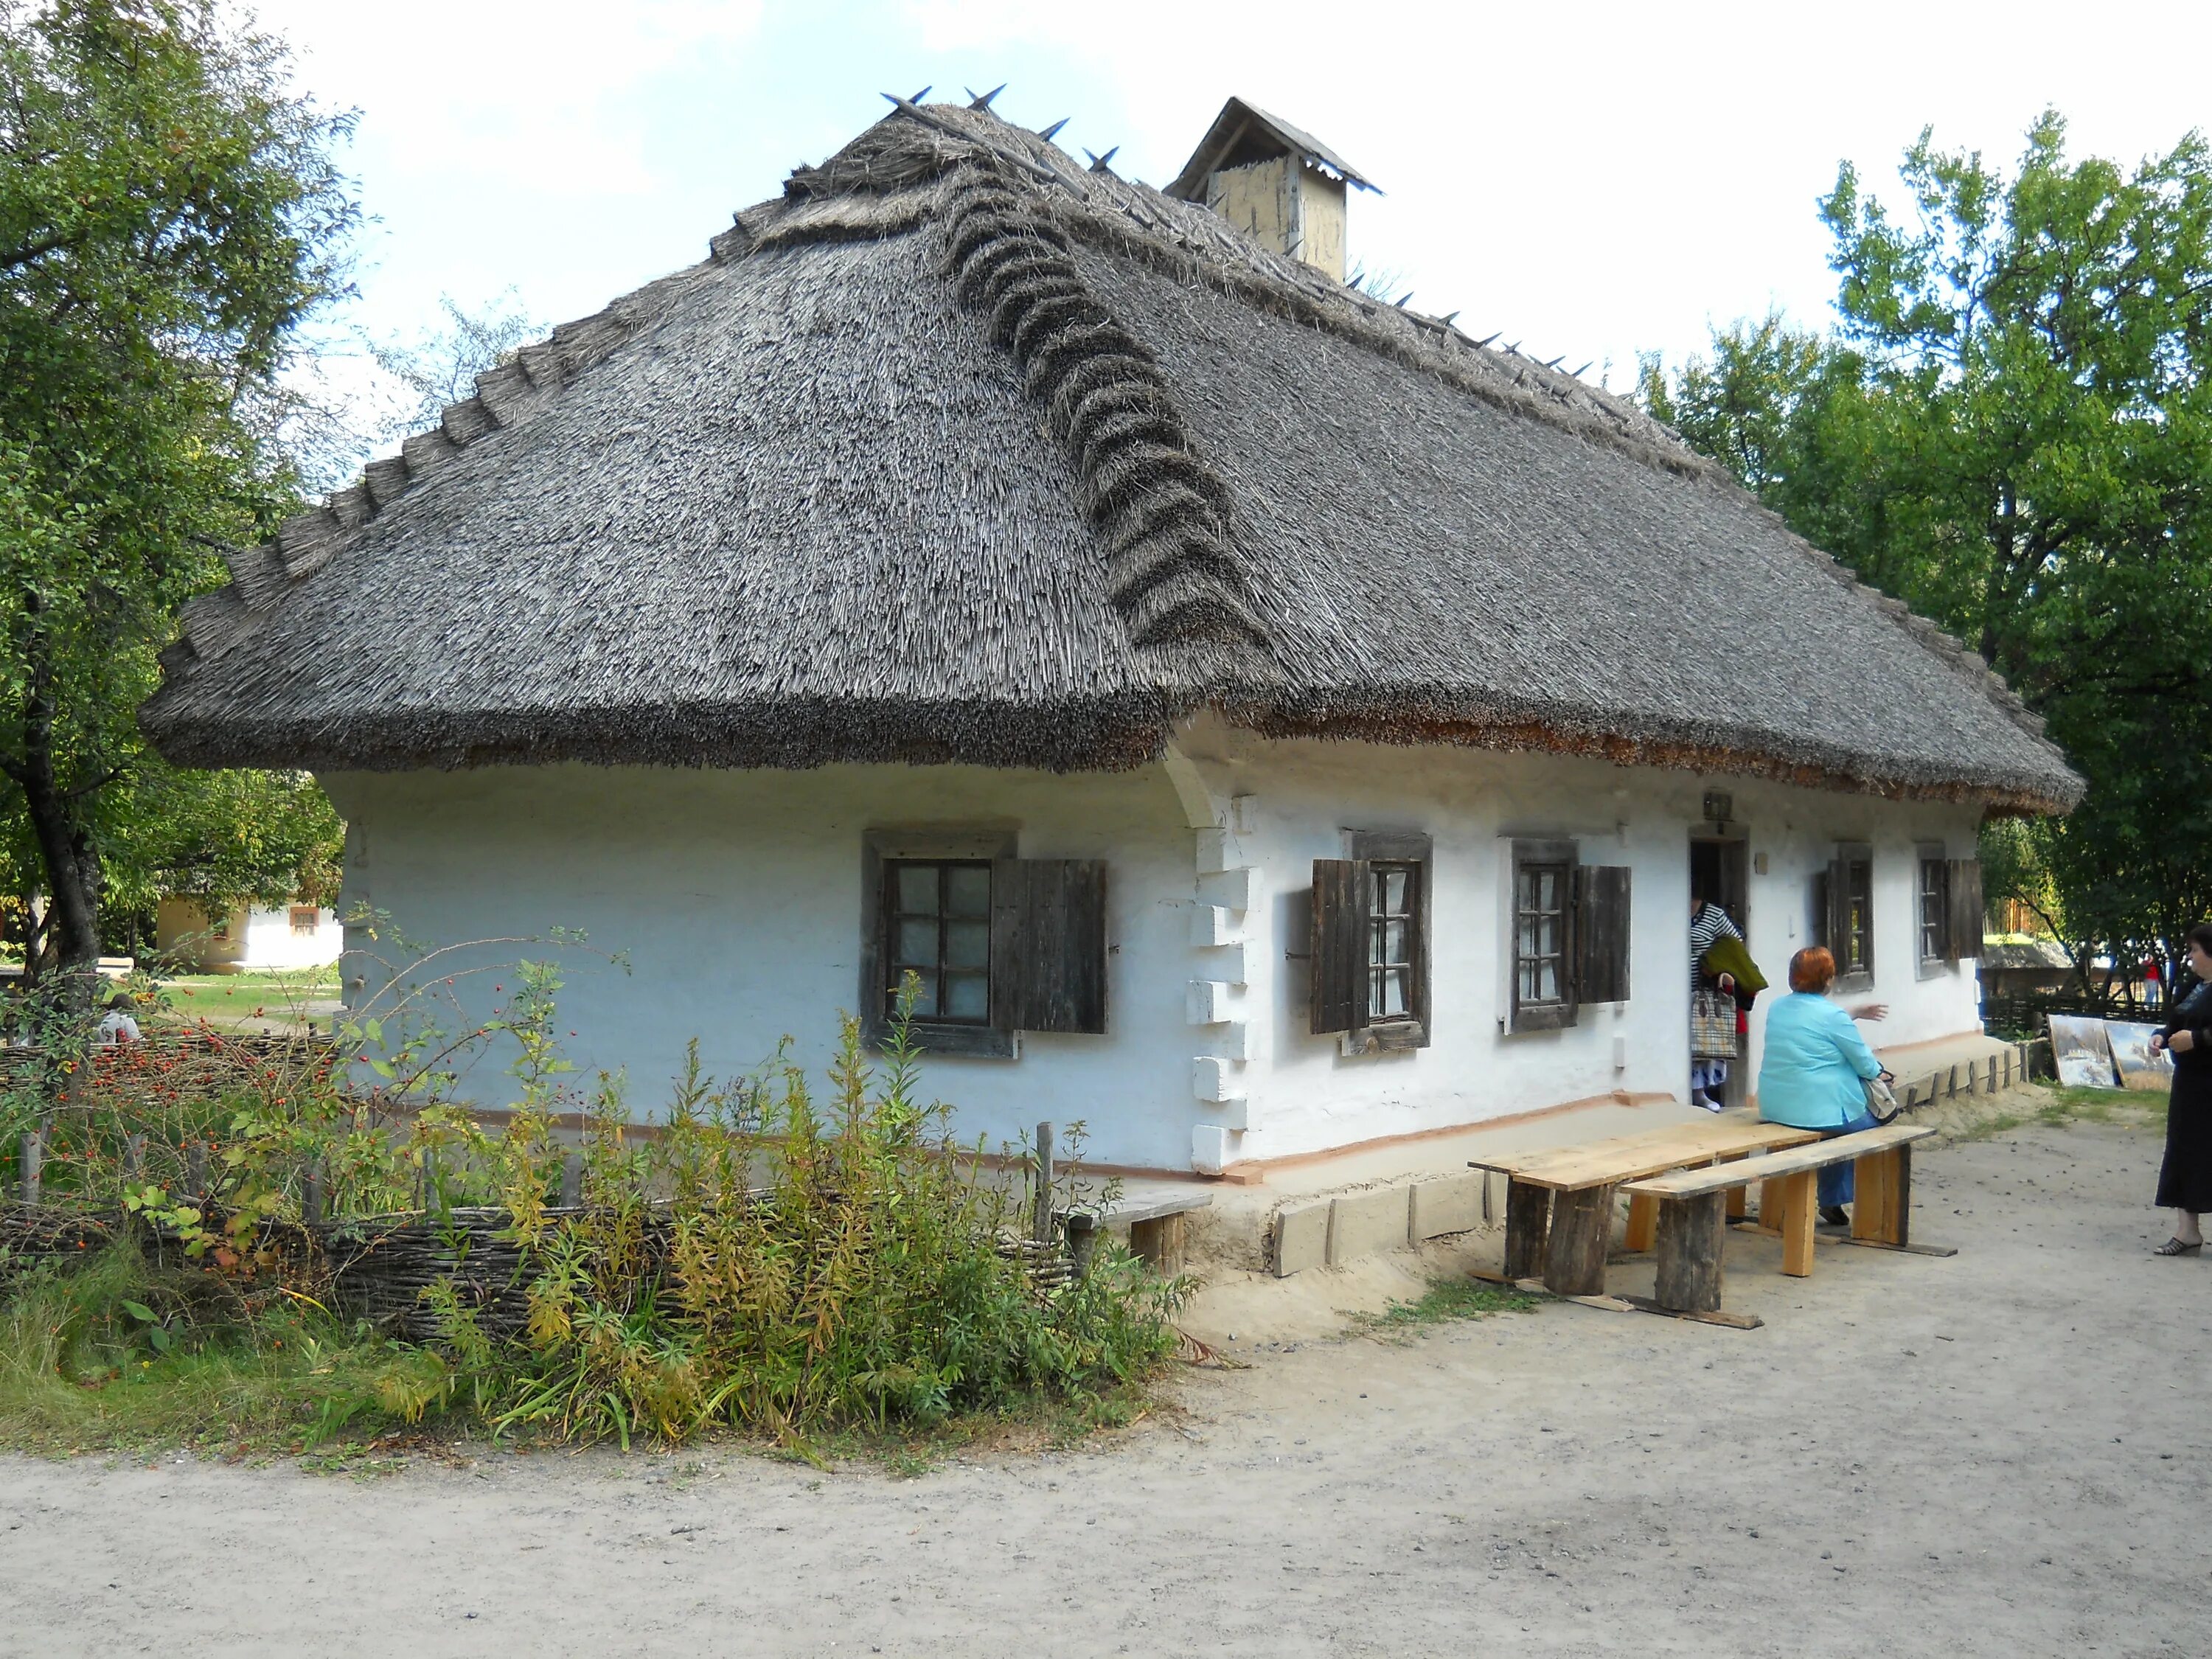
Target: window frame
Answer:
[[993, 1039], [1415, 851], [1844, 856], [1932, 855], [1565, 857]]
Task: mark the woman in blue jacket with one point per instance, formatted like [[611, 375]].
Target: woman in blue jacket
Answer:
[[1816, 1067]]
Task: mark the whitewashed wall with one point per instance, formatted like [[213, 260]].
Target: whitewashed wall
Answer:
[[256, 938], [736, 897]]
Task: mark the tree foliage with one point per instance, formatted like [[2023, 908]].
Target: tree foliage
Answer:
[[170, 212], [2010, 427]]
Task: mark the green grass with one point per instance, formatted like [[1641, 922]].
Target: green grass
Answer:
[[224, 999], [120, 1356], [2122, 1108], [1445, 1300]]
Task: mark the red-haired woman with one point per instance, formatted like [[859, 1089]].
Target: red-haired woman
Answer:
[[1816, 1067], [2185, 1180]]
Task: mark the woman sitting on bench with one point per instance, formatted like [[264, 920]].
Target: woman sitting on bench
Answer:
[[1816, 1069]]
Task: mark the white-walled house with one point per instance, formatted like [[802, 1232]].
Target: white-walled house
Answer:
[[1264, 719], [247, 937]]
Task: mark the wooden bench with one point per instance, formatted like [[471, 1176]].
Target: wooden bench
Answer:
[[1559, 1202], [1159, 1226], [1692, 1211]]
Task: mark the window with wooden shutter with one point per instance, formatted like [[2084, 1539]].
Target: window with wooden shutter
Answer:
[[1369, 946], [1048, 945], [1968, 922], [1601, 906], [1842, 914], [1932, 911], [1546, 957]]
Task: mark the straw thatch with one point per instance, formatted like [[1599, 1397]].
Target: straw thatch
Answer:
[[959, 451]]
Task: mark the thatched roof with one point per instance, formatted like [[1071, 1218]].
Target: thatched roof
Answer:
[[959, 451]]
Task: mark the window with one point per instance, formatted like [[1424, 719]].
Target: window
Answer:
[[1542, 921], [1371, 941], [306, 919], [1842, 914], [1393, 892], [1934, 918], [996, 943], [938, 917], [1568, 934]]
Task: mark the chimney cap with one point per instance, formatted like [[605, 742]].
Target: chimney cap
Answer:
[[1244, 133]]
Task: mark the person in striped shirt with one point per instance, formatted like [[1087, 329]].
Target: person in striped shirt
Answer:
[[1709, 1071]]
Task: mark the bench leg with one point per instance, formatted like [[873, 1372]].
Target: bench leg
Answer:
[[1739, 1198], [1160, 1243], [1582, 1226], [1690, 1234], [1528, 1225], [1798, 1214], [1772, 1201], [1882, 1211], [1642, 1221]]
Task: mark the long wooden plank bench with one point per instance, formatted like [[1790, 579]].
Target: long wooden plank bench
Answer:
[[1559, 1202], [1692, 1211], [1157, 1225]]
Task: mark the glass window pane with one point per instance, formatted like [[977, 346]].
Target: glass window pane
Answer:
[[967, 944], [1396, 946], [917, 944], [1393, 892], [917, 888], [968, 890], [1547, 889], [1526, 990], [1528, 946], [967, 996], [1548, 980], [1393, 999]]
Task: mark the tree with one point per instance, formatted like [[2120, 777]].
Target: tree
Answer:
[[170, 212], [2011, 428]]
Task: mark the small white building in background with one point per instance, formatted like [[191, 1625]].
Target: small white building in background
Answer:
[[250, 938], [1267, 721]]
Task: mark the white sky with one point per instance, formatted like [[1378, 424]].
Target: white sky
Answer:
[[1593, 179]]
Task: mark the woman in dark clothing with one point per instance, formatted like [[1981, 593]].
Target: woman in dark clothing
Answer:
[[2184, 1181]]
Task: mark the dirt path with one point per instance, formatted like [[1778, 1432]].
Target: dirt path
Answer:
[[1994, 1455]]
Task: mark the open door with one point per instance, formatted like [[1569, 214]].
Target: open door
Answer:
[[1720, 870]]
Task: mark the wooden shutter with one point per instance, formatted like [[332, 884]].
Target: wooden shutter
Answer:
[[1340, 944], [1601, 932], [1962, 935], [1838, 917], [1048, 945]]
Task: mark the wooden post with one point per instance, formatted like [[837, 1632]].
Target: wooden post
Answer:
[[1581, 1227], [1083, 1239], [33, 1150], [428, 1180], [311, 1192], [1692, 1237], [196, 1168], [134, 1159], [1528, 1225], [1160, 1243], [1799, 1213], [571, 1182], [1739, 1198], [1041, 1222], [1642, 1221], [1874, 1203]]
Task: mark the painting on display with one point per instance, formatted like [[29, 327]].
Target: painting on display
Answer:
[[2130, 1043], [2081, 1053]]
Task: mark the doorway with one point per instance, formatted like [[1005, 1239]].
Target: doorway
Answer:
[[1720, 871]]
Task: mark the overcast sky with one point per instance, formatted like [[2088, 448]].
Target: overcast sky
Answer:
[[1595, 180]]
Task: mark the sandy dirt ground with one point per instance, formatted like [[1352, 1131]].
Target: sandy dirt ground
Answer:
[[2001, 1454]]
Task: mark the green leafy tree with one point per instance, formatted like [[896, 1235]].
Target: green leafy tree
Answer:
[[2011, 428], [169, 213]]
